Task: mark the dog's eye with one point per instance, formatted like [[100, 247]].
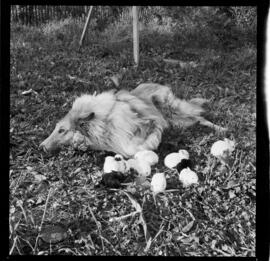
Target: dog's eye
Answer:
[[61, 131]]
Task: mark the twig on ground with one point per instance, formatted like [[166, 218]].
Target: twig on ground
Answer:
[[150, 240], [211, 208], [78, 79], [93, 216], [14, 245], [181, 63], [123, 217], [193, 218], [42, 220], [29, 132], [222, 252], [108, 242], [171, 190], [18, 182], [23, 211], [252, 165], [98, 225], [231, 169], [46, 204], [27, 242]]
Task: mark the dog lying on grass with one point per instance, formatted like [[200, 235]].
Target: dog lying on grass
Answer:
[[125, 122]]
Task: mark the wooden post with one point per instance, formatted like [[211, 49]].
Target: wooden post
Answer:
[[86, 25], [135, 35]]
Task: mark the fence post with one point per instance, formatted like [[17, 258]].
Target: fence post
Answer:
[[85, 26], [135, 35]]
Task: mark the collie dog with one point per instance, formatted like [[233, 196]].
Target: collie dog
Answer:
[[125, 122]]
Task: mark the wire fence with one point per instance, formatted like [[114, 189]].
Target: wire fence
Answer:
[[38, 14], [241, 16]]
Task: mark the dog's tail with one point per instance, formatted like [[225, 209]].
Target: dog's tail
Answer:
[[187, 113], [184, 113], [178, 112]]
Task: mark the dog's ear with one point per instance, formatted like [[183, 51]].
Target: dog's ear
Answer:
[[81, 123], [89, 117], [75, 118], [156, 101]]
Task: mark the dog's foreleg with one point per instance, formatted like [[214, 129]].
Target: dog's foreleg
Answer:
[[152, 141], [207, 123], [199, 101]]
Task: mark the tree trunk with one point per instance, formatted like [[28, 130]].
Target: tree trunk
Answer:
[[39, 12], [31, 14], [12, 10], [54, 12], [58, 9], [14, 16], [21, 14], [50, 12], [24, 15], [47, 12], [36, 14], [27, 14]]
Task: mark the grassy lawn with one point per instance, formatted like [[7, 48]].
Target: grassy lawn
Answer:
[[214, 218]]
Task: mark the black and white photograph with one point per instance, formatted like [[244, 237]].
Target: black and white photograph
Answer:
[[132, 130]]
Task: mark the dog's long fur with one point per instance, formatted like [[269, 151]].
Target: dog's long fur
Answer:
[[126, 122]]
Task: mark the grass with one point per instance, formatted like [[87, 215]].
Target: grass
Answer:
[[215, 218]]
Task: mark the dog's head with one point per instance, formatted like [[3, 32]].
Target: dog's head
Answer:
[[85, 116], [61, 135]]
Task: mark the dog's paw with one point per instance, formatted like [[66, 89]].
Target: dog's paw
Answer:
[[199, 101]]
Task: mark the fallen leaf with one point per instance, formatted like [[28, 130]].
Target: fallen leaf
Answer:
[[231, 184], [77, 170], [29, 168], [53, 234], [232, 194], [40, 201], [188, 227], [29, 92], [146, 233], [115, 80], [187, 240], [213, 244], [12, 210], [135, 204], [42, 187], [237, 189], [177, 236], [224, 247], [38, 178], [131, 189]]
